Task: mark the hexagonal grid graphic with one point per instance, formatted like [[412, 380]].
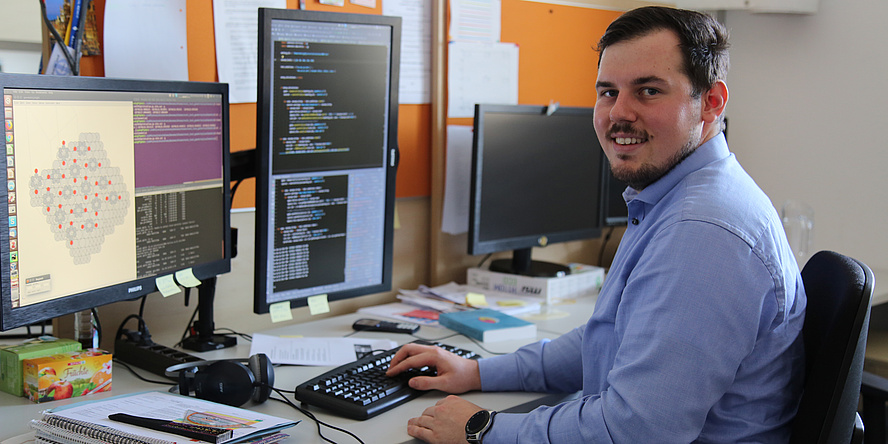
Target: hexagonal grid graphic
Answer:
[[82, 196]]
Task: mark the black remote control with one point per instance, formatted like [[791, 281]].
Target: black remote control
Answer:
[[388, 326]]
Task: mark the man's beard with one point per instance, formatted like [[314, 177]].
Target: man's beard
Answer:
[[648, 173]]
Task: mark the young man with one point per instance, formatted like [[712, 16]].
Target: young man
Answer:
[[695, 335]]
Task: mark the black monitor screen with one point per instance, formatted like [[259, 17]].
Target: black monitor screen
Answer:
[[111, 184], [615, 210], [536, 179], [327, 153]]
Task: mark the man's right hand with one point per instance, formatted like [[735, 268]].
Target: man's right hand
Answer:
[[455, 374]]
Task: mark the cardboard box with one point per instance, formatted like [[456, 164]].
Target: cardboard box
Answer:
[[67, 375], [11, 358], [584, 280]]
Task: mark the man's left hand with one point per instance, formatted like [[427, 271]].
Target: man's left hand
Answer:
[[444, 422]]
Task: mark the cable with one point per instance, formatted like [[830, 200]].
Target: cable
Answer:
[[133, 371], [483, 260], [98, 324], [313, 418], [234, 189], [55, 35], [188, 331], [246, 337], [78, 37]]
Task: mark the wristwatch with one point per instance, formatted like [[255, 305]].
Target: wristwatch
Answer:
[[478, 425]]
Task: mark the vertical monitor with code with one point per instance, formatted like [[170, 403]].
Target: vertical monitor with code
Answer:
[[327, 155]]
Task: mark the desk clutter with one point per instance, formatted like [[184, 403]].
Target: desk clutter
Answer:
[[510, 294], [92, 422], [49, 369], [12, 359]]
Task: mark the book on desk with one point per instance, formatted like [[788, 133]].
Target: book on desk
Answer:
[[88, 422], [488, 325]]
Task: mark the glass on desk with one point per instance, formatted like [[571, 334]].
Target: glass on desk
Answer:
[[798, 222]]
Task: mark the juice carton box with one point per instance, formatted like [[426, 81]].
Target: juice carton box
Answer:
[[11, 359], [67, 375]]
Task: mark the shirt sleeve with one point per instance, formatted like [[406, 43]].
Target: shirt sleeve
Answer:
[[546, 366], [689, 314]]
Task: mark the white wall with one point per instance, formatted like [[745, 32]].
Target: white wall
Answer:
[[807, 117]]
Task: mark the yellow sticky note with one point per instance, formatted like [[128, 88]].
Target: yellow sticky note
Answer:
[[318, 304], [186, 277], [511, 303], [397, 219], [280, 312], [167, 285], [476, 300]]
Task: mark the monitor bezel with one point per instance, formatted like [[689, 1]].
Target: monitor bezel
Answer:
[[477, 246], [133, 289], [261, 304]]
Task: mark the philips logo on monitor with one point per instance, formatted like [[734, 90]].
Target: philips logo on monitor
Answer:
[[135, 289]]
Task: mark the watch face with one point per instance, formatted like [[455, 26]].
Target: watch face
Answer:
[[478, 421]]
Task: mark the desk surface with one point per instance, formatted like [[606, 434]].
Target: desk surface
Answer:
[[389, 427]]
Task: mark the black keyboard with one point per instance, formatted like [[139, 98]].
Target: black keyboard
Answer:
[[361, 390]]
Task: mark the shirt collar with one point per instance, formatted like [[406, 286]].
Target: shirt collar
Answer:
[[711, 151]]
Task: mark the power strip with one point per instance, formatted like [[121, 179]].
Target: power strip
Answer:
[[154, 358]]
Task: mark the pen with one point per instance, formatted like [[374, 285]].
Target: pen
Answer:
[[203, 433]]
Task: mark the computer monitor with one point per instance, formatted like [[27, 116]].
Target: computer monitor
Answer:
[[536, 180], [615, 210], [111, 184], [327, 155]]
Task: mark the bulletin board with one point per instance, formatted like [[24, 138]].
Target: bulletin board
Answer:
[[414, 124], [557, 63]]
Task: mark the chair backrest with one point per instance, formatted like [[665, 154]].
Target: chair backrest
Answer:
[[839, 291]]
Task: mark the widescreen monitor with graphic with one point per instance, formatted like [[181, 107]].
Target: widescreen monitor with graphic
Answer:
[[112, 187]]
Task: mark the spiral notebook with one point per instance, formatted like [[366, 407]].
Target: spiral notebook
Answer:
[[87, 422]]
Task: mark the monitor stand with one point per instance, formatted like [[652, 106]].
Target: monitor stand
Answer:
[[522, 264], [205, 339], [140, 351]]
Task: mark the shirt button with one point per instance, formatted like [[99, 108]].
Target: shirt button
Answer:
[[634, 221]]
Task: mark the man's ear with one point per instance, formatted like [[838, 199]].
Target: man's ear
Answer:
[[714, 101]]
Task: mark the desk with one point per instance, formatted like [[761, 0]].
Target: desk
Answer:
[[389, 427]]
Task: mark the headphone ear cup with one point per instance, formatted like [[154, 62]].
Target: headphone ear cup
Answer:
[[263, 372], [185, 377], [225, 382]]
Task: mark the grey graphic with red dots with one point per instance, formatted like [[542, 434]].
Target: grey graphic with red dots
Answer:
[[82, 196]]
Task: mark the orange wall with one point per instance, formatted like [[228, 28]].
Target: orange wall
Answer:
[[557, 62], [414, 121]]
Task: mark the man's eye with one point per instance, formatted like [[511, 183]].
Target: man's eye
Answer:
[[649, 92], [608, 93]]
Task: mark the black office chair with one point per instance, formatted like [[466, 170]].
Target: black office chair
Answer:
[[874, 395], [839, 291]]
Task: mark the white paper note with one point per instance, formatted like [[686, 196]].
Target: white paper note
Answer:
[[315, 351], [236, 23], [481, 73]]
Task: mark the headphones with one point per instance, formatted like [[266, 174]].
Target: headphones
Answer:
[[226, 381]]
